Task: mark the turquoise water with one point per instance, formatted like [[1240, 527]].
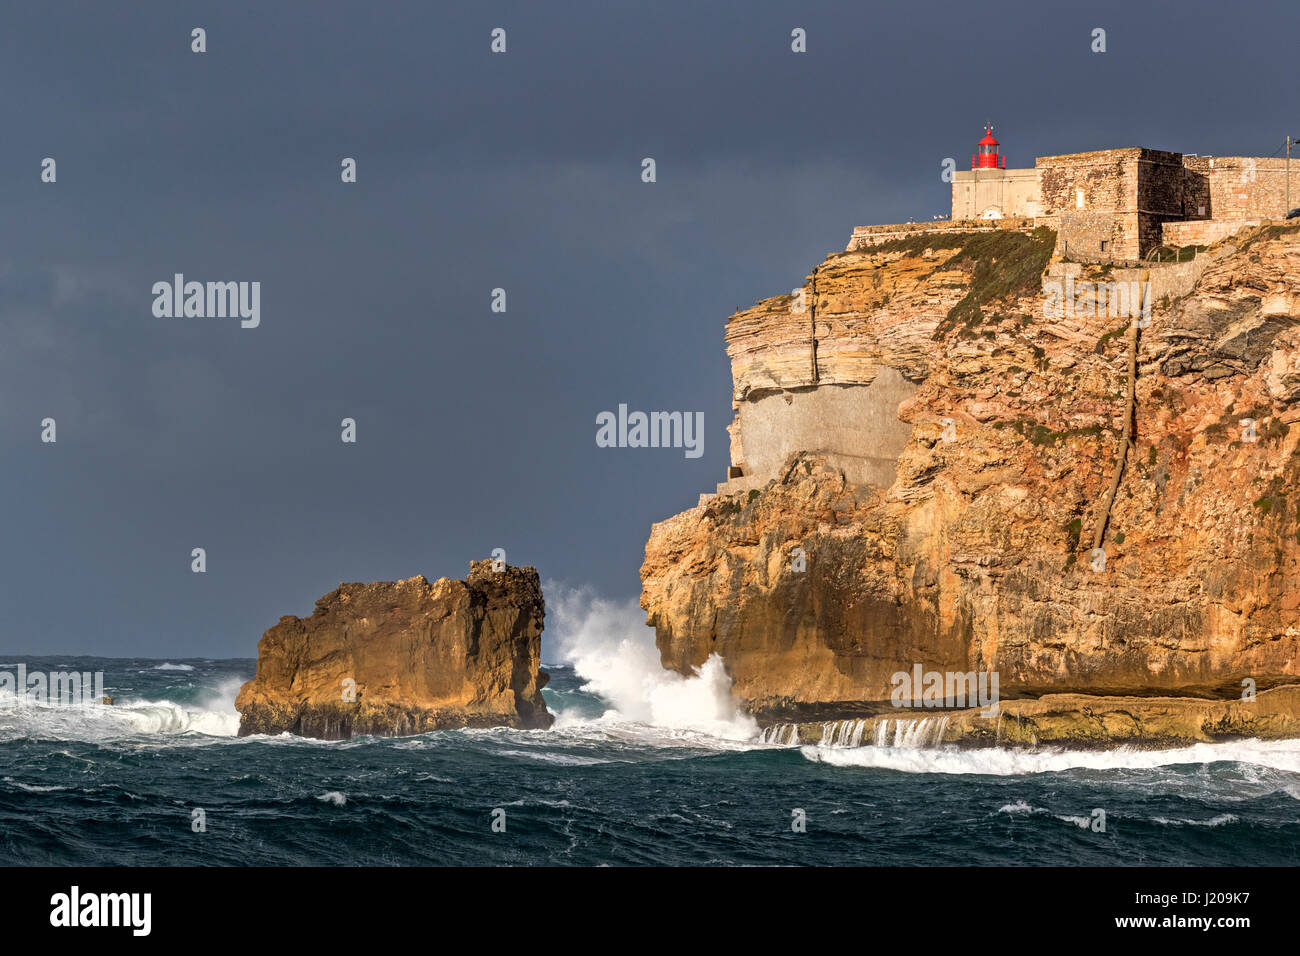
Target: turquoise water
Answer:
[[120, 785]]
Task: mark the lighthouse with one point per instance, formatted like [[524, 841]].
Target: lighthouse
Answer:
[[988, 156], [991, 191]]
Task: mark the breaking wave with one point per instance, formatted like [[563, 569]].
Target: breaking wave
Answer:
[[1000, 762], [1020, 808], [212, 715], [613, 652]]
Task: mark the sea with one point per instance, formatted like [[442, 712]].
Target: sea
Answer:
[[642, 767]]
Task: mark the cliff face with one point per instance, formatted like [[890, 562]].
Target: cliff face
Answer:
[[976, 555], [876, 314], [420, 657]]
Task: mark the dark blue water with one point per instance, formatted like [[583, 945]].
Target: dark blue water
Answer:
[[119, 786]]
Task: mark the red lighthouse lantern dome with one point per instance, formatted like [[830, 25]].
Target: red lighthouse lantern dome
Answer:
[[988, 157]]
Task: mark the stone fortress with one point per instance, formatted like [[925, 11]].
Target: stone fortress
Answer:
[[1110, 205], [807, 376]]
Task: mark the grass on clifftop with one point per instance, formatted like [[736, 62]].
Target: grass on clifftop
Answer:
[[1250, 237], [916, 244], [1002, 264]]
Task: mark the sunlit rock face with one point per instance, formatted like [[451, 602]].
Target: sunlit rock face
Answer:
[[967, 545], [393, 658]]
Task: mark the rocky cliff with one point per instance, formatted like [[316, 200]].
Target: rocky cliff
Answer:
[[405, 657], [976, 555]]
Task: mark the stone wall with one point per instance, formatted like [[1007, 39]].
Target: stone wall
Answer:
[[1116, 205], [1084, 235], [995, 193], [1137, 189], [1160, 181], [1092, 199], [1169, 280], [1203, 232], [864, 237], [1102, 180], [1196, 189], [1242, 187]]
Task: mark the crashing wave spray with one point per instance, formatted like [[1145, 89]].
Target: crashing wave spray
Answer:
[[214, 715], [926, 732], [786, 735], [1283, 755], [612, 650], [843, 733]]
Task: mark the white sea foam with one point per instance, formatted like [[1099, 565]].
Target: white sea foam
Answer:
[[31, 787], [214, 715], [334, 797], [1221, 820], [1020, 808], [1016, 808], [1275, 754], [168, 666], [548, 756], [611, 649]]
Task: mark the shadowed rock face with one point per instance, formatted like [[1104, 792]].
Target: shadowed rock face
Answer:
[[420, 656], [975, 558]]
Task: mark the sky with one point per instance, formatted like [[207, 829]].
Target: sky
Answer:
[[522, 171]]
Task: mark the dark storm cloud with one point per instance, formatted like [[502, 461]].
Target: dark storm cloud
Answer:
[[475, 430]]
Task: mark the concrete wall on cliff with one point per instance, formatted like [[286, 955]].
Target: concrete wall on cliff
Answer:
[[855, 426]]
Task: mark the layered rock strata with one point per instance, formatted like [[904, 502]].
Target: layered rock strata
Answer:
[[974, 555]]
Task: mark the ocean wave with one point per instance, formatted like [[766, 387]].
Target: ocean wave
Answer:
[[614, 653], [610, 733], [613, 729], [1281, 755], [1020, 808], [550, 756], [168, 666], [212, 716], [1221, 820], [32, 787]]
